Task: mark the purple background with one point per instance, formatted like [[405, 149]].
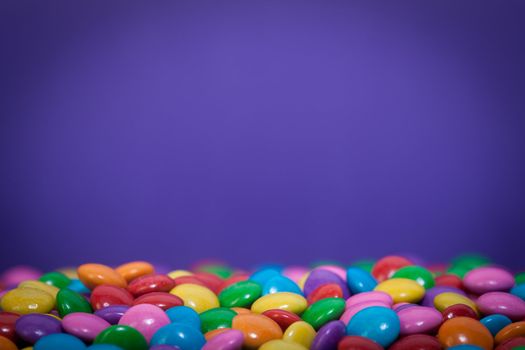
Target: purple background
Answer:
[[261, 131]]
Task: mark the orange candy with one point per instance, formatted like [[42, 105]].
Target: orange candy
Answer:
[[135, 269], [513, 330], [6, 344], [257, 329], [93, 275], [465, 330], [241, 310], [211, 334]]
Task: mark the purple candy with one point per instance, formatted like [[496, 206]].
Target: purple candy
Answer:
[[319, 276], [329, 335], [112, 313], [32, 327], [430, 294]]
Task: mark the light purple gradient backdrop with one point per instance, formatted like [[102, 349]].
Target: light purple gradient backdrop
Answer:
[[261, 131]]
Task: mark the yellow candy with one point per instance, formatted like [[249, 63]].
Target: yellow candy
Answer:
[[402, 290], [179, 273], [301, 333], [28, 348], [27, 300], [197, 297], [41, 286], [283, 300], [444, 300], [281, 345], [302, 280]]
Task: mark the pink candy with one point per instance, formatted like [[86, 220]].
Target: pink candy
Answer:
[[419, 319], [145, 318], [488, 279], [83, 325]]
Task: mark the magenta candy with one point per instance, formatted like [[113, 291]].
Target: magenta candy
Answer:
[[145, 318], [319, 277], [328, 336], [83, 325], [227, 340], [295, 273], [352, 310], [488, 279], [13, 276], [502, 303], [418, 319], [112, 313], [430, 294], [369, 296]]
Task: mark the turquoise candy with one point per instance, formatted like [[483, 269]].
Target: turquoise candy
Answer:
[[78, 286], [69, 301], [281, 283], [181, 335], [519, 291], [495, 322], [360, 280], [264, 275], [377, 323], [185, 315], [59, 341]]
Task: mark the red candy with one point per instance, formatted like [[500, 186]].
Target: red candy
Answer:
[[150, 283], [354, 342], [416, 342], [188, 279], [7, 324], [449, 281], [213, 282], [458, 310], [106, 295], [282, 317], [160, 299], [330, 290], [387, 266]]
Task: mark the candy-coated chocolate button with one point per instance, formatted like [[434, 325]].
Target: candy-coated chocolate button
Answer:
[[402, 290], [197, 297], [105, 295], [465, 330], [216, 318], [383, 297], [444, 300], [282, 317], [257, 329], [93, 275], [113, 313], [278, 344], [488, 279], [59, 341], [418, 319], [495, 323], [125, 337], [513, 330], [69, 302], [150, 283], [27, 300], [330, 290], [55, 279], [180, 335], [329, 336], [301, 333], [7, 344], [377, 323], [281, 283], [459, 310], [283, 300], [84, 326], [184, 314], [135, 269], [355, 342], [416, 273], [502, 303], [7, 324], [160, 299], [385, 267], [32, 327], [323, 311], [416, 342], [320, 276], [145, 318], [360, 280], [53, 291], [240, 294], [230, 339]]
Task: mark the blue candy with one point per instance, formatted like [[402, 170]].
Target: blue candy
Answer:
[[359, 280], [59, 341], [377, 323], [495, 322], [184, 336], [519, 291], [77, 286], [263, 275], [281, 284], [185, 315]]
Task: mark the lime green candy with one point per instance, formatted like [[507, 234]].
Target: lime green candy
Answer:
[[126, 337], [218, 270], [56, 279], [520, 278], [323, 311], [417, 273], [69, 301], [240, 294], [216, 318]]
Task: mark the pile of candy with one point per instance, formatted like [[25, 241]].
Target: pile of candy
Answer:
[[391, 303]]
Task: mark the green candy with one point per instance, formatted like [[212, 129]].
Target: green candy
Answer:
[[216, 318], [218, 270], [520, 278], [240, 294], [366, 265], [56, 279], [470, 261], [69, 301], [323, 311], [126, 337], [416, 273]]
